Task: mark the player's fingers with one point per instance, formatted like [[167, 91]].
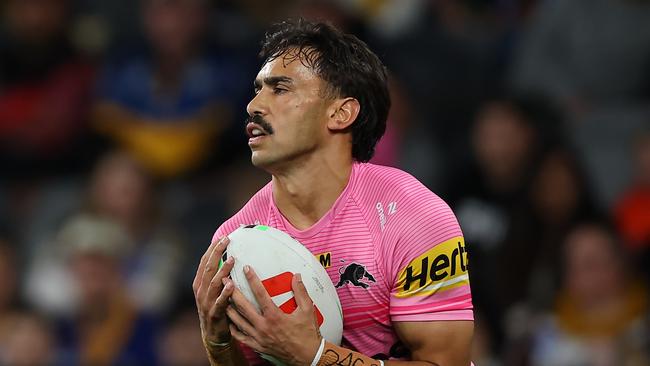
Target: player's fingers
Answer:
[[221, 302], [245, 307], [216, 283], [303, 300], [261, 295], [212, 263], [214, 260], [204, 259], [243, 338], [240, 322]]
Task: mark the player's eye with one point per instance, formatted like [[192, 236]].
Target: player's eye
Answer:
[[277, 90]]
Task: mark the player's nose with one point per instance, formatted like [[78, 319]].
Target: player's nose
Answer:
[[257, 105]]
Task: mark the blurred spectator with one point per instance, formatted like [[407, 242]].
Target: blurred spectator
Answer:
[[600, 315], [121, 190], [632, 211], [106, 327], [44, 90], [181, 343], [452, 59], [27, 340], [486, 196], [560, 196], [592, 58], [171, 105], [586, 53], [101, 26], [560, 193]]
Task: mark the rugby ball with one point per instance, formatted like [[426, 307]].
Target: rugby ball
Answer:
[[276, 257]]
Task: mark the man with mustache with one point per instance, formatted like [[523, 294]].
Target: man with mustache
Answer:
[[320, 106]]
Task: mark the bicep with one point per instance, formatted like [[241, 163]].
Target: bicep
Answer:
[[445, 343]]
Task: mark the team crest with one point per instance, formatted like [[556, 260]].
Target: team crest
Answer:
[[355, 274]]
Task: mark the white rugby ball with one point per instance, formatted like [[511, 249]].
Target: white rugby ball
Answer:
[[276, 257]]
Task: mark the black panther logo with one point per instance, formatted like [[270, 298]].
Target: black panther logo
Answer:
[[353, 274]]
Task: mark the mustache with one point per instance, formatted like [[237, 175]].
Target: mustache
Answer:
[[259, 120]]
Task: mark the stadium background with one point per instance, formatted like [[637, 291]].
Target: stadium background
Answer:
[[122, 149]]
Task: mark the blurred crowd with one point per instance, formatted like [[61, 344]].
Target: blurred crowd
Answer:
[[122, 149]]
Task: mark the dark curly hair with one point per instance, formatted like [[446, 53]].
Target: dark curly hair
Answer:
[[346, 64]]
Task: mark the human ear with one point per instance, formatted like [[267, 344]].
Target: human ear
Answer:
[[343, 113]]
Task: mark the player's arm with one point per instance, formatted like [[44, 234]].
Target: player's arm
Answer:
[[431, 343], [430, 300], [438, 342]]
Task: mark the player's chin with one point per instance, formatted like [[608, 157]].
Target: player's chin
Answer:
[[260, 160]]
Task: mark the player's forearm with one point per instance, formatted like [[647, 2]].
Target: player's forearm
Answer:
[[334, 355], [226, 356]]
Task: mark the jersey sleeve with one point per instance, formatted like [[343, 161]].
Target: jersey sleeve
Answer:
[[222, 231], [429, 265]]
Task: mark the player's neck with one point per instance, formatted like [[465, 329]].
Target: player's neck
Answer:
[[305, 193]]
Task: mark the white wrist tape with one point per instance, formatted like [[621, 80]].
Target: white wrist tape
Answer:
[[319, 353]]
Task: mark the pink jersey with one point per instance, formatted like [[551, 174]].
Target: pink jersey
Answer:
[[393, 249]]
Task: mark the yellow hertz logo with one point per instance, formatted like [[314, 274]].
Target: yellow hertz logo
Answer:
[[325, 259], [441, 268]]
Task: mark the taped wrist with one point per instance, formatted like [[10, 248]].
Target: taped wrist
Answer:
[[319, 353]]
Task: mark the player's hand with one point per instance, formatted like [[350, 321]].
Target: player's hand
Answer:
[[292, 338], [212, 294]]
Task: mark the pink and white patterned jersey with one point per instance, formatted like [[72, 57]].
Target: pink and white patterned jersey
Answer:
[[392, 248]]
